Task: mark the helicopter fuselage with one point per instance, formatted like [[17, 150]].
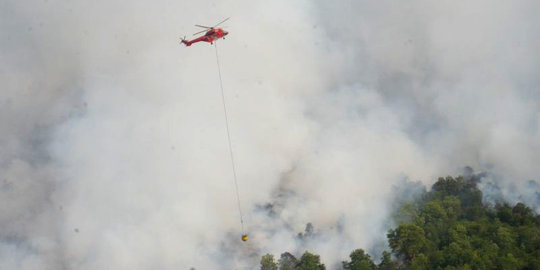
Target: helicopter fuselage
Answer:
[[209, 36]]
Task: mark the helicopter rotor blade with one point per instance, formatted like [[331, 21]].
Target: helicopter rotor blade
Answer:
[[207, 27], [222, 22], [200, 32]]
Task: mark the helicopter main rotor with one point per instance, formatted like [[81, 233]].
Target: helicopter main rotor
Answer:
[[207, 28]]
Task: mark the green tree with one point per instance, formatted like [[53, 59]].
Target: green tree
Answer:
[[287, 261], [447, 186], [420, 262], [268, 262], [452, 207], [359, 261], [386, 262], [504, 213], [310, 261], [407, 241], [505, 238], [509, 262], [522, 215]]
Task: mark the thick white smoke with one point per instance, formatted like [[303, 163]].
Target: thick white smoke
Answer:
[[112, 137]]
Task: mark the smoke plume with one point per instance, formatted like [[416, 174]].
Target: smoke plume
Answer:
[[113, 144]]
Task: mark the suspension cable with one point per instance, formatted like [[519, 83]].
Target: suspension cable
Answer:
[[229, 140]]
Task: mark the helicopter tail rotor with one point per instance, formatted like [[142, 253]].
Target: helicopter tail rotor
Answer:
[[185, 41]]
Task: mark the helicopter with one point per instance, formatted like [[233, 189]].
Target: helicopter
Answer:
[[212, 33]]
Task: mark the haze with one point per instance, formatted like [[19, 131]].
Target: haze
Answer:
[[113, 152]]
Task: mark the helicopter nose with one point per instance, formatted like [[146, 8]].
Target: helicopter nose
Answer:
[[225, 33]]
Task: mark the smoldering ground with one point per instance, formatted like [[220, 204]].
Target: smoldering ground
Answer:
[[113, 148]]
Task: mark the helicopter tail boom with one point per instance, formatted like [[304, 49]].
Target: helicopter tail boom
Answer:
[[186, 42]]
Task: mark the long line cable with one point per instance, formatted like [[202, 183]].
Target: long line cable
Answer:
[[229, 140]]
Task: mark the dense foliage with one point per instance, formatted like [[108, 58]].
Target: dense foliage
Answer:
[[447, 228]]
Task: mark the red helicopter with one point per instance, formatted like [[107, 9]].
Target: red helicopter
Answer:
[[212, 34]]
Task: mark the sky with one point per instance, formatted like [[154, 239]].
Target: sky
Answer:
[[113, 147]]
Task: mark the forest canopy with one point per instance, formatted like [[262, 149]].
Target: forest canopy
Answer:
[[448, 227]]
